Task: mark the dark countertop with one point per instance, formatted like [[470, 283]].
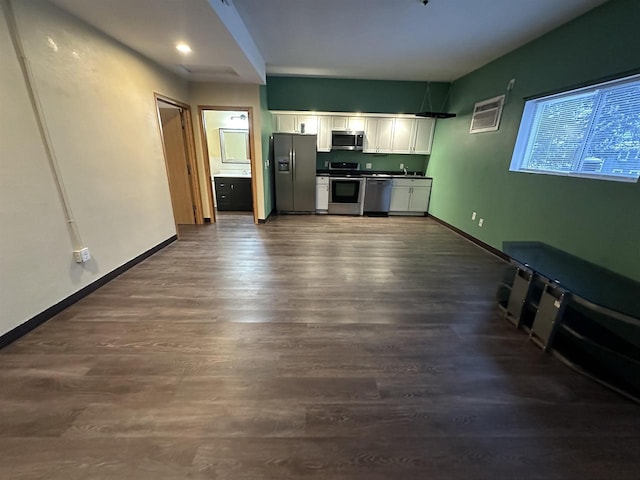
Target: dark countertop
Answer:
[[370, 173], [231, 175]]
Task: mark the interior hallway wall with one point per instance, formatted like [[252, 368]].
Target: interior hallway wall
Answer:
[[98, 101], [267, 131]]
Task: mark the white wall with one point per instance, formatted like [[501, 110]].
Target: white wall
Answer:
[[98, 102], [231, 96]]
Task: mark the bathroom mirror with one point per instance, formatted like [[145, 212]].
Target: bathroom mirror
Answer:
[[234, 145]]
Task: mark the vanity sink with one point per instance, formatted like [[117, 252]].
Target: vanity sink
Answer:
[[234, 174]]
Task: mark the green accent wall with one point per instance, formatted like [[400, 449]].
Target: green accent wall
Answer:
[[368, 96], [594, 219], [267, 130], [344, 95]]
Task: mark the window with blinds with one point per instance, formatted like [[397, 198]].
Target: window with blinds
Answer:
[[590, 132]]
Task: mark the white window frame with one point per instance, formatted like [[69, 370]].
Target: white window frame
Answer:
[[528, 130]]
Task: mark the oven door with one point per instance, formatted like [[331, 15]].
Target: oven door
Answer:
[[345, 196], [345, 190]]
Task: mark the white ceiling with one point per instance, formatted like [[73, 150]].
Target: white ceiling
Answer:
[[222, 50], [374, 39]]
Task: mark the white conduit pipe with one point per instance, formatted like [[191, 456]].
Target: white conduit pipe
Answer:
[[9, 14]]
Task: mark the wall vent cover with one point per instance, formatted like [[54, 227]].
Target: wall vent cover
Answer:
[[486, 115]]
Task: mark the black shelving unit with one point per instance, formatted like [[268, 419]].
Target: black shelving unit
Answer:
[[587, 316]]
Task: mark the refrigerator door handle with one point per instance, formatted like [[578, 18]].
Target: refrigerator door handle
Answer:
[[293, 160]]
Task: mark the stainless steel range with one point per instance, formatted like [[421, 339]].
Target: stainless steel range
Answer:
[[346, 189]]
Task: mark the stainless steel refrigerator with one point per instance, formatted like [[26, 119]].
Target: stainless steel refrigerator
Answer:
[[295, 170]]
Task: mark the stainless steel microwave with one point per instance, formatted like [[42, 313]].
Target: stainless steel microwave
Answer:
[[346, 140]]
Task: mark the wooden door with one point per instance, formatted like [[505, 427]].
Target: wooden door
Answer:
[[178, 169]]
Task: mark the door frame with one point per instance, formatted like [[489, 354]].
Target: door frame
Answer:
[[205, 154], [190, 147]]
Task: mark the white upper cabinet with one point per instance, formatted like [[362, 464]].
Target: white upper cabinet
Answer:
[[378, 135], [423, 137], [347, 123], [286, 123], [356, 124], [403, 135], [383, 134], [324, 134], [296, 123], [413, 135], [339, 123], [307, 124]]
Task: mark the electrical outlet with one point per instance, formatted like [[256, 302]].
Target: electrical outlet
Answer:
[[81, 256], [326, 164], [473, 215], [481, 222], [401, 166], [367, 166]]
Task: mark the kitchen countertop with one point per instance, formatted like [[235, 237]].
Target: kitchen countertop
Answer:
[[371, 173]]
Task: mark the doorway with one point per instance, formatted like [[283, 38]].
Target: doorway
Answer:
[[227, 143], [179, 153]]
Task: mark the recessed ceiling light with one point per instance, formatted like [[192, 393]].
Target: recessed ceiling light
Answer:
[[183, 48]]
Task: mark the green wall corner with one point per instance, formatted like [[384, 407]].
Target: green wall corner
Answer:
[[597, 220], [345, 95]]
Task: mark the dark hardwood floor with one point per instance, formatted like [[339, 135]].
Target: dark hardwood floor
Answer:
[[316, 347]]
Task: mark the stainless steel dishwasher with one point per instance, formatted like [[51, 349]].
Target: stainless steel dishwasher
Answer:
[[377, 196]]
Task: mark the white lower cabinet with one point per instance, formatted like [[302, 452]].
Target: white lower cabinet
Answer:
[[410, 196], [400, 198], [322, 194], [419, 201]]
